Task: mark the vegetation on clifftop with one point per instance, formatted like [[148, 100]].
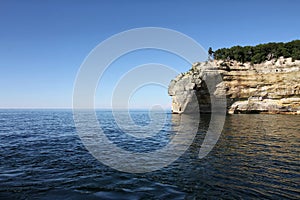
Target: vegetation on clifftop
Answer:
[[259, 53]]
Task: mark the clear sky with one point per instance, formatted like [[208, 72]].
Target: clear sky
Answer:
[[43, 43]]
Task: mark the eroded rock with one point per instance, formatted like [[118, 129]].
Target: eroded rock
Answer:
[[269, 87]]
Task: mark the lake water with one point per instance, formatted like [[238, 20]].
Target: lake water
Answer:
[[42, 157]]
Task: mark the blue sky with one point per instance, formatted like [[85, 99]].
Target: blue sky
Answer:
[[43, 43]]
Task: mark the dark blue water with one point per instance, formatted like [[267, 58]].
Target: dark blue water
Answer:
[[42, 157]]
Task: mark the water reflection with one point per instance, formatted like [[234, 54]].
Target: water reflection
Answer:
[[257, 156]]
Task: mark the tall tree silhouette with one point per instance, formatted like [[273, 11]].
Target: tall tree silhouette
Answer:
[[210, 53]]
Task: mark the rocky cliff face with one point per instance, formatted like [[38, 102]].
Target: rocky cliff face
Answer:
[[269, 87]]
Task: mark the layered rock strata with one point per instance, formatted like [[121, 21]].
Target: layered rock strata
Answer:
[[269, 87]]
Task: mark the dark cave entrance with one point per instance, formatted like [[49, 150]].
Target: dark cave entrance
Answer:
[[203, 97]]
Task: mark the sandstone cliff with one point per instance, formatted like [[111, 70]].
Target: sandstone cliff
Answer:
[[269, 87]]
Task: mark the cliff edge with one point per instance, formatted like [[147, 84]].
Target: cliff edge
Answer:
[[269, 87]]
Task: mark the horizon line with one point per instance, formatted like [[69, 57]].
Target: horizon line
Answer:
[[70, 108]]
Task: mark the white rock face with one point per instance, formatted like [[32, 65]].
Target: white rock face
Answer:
[[269, 87], [182, 90]]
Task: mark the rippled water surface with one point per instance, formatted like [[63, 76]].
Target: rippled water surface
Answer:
[[42, 157]]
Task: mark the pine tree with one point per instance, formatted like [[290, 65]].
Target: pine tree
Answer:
[[210, 53]]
